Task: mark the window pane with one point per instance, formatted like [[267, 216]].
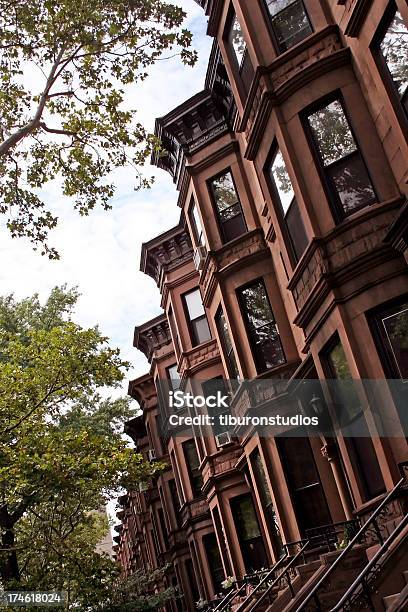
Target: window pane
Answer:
[[296, 229], [289, 21], [396, 330], [174, 377], [257, 305], [352, 183], [234, 227], [394, 48], [236, 40], [332, 132], [196, 222], [226, 343], [224, 194], [280, 178], [263, 332], [201, 330], [194, 303]]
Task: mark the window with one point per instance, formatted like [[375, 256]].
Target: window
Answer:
[[197, 320], [248, 532], [304, 484], [347, 179], [213, 387], [261, 326], [193, 463], [226, 344], [290, 22], [173, 377], [284, 194], [392, 47], [266, 501], [175, 500], [358, 440], [228, 207], [237, 44], [196, 224], [392, 336], [214, 561]]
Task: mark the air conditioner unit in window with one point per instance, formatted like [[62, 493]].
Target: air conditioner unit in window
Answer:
[[151, 454], [199, 257], [223, 438]]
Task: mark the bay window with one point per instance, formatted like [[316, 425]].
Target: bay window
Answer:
[[288, 207], [392, 51], [261, 326], [196, 317], [290, 22], [226, 344], [346, 177], [228, 206], [193, 465]]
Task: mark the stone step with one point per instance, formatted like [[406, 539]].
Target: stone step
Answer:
[[390, 600]]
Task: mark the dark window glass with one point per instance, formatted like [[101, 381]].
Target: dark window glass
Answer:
[[196, 223], [212, 387], [214, 561], [304, 483], [228, 207], [163, 528], [266, 500], [175, 500], [262, 329], [248, 532], [222, 540], [358, 441], [290, 23], [192, 580], [283, 189], [226, 343], [198, 324], [394, 50], [193, 463], [343, 166]]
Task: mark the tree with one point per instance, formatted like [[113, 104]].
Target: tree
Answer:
[[63, 68], [62, 454]]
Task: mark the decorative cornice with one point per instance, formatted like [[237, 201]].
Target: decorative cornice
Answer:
[[166, 252], [152, 336], [143, 390]]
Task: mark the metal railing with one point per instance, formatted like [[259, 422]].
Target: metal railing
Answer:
[[361, 533], [350, 598], [268, 577], [326, 536], [235, 592]]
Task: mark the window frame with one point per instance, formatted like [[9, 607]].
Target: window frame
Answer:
[[196, 492], [280, 213], [168, 376], [388, 362], [255, 357], [269, 20], [220, 223], [237, 66], [193, 336], [232, 365], [199, 239], [331, 192], [382, 66]]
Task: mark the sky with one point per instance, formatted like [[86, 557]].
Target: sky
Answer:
[[101, 253]]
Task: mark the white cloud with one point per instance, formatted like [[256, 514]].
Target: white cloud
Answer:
[[101, 253]]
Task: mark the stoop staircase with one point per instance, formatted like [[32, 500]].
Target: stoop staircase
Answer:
[[370, 574]]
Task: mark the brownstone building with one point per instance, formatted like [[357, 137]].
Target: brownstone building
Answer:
[[289, 263]]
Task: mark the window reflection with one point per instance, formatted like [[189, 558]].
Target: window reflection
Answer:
[[280, 179], [289, 21], [394, 49], [236, 40], [228, 206], [345, 171], [262, 329]]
